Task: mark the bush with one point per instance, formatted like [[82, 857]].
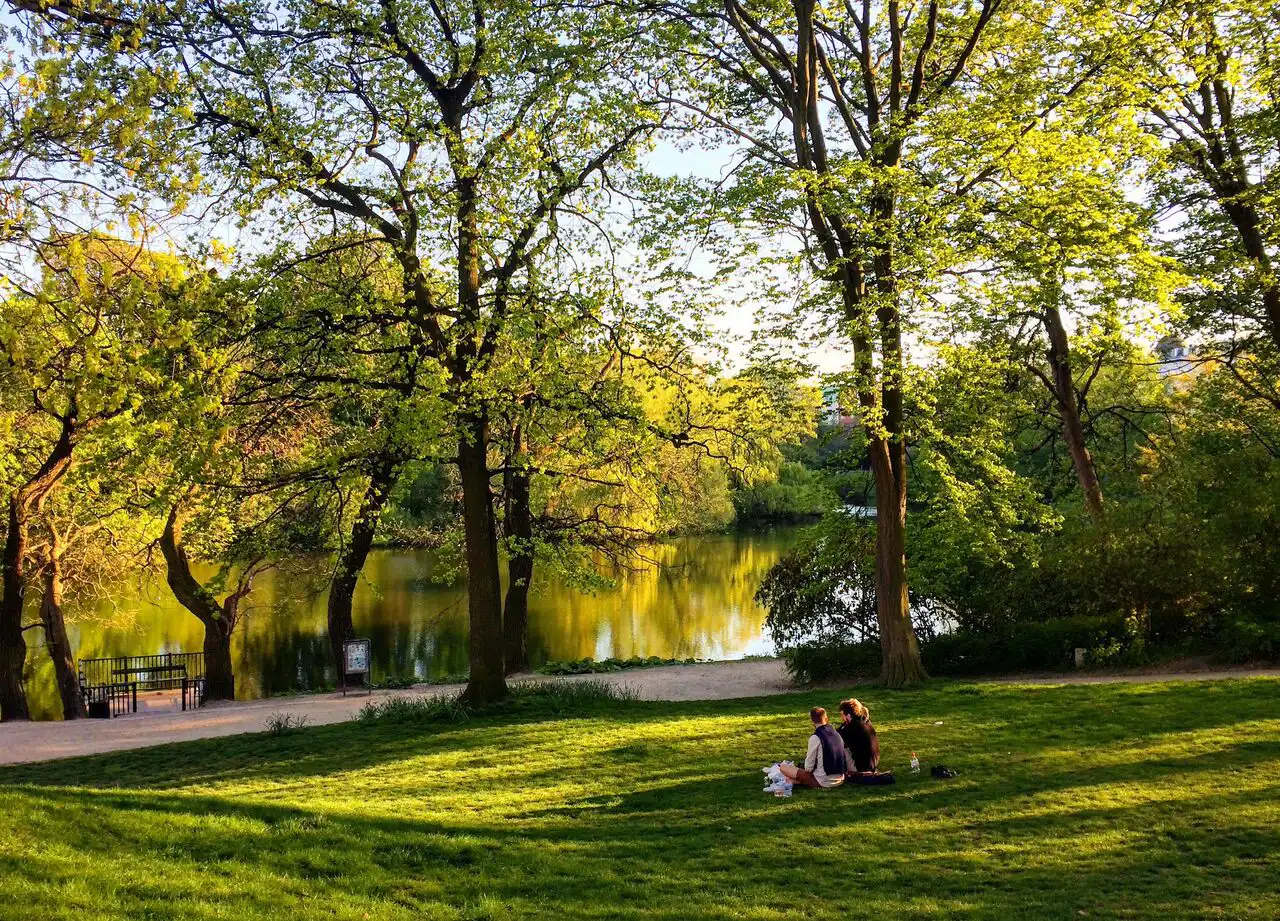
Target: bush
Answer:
[[798, 494], [561, 696], [1243, 639], [551, 697], [1046, 645], [279, 724], [437, 708], [822, 593], [810, 663], [589, 666]]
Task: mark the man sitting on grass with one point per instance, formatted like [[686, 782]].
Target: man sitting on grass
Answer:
[[825, 763]]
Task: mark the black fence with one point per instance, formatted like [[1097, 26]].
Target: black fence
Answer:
[[110, 686], [104, 701], [162, 672]]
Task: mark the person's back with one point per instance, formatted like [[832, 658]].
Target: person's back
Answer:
[[826, 758], [859, 736], [825, 763]]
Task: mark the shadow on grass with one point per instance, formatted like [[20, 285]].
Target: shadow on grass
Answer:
[[674, 837], [980, 720]]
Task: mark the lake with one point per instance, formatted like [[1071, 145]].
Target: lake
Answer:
[[695, 601]]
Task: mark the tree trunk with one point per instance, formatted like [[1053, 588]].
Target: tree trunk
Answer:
[[900, 662], [515, 615], [219, 673], [13, 645], [55, 636], [1064, 393], [1248, 224], [346, 572], [219, 623], [899, 651], [484, 587]]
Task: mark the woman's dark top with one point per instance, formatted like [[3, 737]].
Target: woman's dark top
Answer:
[[860, 738]]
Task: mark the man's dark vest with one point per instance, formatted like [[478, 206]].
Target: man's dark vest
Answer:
[[833, 759]]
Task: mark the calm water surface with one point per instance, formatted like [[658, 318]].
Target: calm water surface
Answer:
[[697, 602]]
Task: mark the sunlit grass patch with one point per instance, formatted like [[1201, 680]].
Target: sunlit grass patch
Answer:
[[1102, 802]]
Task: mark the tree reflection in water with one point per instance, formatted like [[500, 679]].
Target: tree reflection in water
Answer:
[[697, 602]]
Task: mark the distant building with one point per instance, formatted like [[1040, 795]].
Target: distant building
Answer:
[[1175, 362], [833, 413]]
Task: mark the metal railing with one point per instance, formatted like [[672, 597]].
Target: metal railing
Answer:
[[162, 672], [110, 686], [108, 700]]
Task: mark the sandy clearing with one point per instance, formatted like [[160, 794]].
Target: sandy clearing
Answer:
[[45, 741]]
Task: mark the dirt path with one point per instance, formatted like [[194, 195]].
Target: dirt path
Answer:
[[24, 742]]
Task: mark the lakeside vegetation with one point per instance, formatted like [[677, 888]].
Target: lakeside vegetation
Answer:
[[1135, 802]]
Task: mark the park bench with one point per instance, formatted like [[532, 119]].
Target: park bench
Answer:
[[110, 686]]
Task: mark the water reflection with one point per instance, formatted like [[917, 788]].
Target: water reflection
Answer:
[[697, 603]]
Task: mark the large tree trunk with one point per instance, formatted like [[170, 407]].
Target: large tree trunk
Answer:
[[13, 645], [899, 651], [219, 673], [900, 662], [1064, 394], [55, 636], [219, 620], [515, 615], [484, 586], [346, 572]]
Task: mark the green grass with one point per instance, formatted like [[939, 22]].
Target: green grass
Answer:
[[1117, 801]]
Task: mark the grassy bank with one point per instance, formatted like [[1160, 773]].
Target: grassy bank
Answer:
[[1117, 801]]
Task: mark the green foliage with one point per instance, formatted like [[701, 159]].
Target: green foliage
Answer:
[[1036, 646], [278, 724], [589, 666], [525, 698], [823, 592], [798, 494], [831, 661]]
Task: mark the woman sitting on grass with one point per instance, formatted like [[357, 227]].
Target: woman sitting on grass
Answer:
[[825, 764], [859, 737]]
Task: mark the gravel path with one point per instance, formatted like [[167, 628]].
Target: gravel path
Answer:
[[45, 741]]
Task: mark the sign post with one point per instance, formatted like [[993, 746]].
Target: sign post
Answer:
[[355, 661]]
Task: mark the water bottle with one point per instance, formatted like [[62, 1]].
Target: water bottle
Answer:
[[915, 764]]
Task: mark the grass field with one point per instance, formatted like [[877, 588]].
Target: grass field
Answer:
[[1118, 801]]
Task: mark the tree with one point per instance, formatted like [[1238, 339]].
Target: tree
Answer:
[[864, 131], [1064, 254], [1209, 77], [456, 139], [90, 346], [329, 358]]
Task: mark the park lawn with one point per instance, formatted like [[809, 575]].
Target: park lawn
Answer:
[[1117, 801]]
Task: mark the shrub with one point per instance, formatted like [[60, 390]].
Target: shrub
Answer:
[[589, 666], [810, 663], [1243, 639], [436, 708], [278, 724], [1045, 645], [798, 494], [560, 696], [552, 697]]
